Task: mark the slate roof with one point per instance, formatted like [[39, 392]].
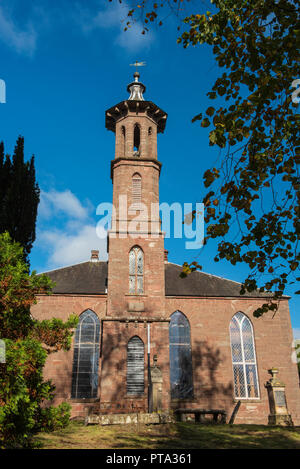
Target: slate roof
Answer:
[[200, 284], [91, 278], [88, 278]]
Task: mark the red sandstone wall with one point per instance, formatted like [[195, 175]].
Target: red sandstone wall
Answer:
[[113, 397], [148, 144], [58, 367], [212, 368], [119, 301]]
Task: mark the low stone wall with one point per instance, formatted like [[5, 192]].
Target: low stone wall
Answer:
[[123, 419]]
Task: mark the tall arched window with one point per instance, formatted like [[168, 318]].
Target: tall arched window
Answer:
[[86, 356], [181, 369], [136, 271], [135, 366], [136, 191], [243, 357]]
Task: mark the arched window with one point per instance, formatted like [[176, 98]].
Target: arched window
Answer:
[[136, 140], [135, 366], [150, 138], [86, 356], [181, 369], [123, 140], [136, 271], [136, 191], [243, 357]]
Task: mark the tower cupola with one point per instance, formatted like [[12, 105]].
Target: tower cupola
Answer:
[[135, 105], [136, 123], [136, 89]]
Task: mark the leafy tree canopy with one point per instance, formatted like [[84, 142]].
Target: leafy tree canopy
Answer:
[[252, 199], [19, 196], [27, 343]]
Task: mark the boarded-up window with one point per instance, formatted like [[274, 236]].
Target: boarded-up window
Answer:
[[181, 370], [136, 271], [86, 356], [135, 366], [136, 192], [243, 357]]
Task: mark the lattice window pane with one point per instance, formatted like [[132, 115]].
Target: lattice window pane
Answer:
[[132, 262], [140, 286], [181, 371], [236, 346], [140, 263], [86, 357], [136, 271], [236, 353], [248, 341], [243, 357], [239, 381], [132, 284], [251, 377], [239, 317]]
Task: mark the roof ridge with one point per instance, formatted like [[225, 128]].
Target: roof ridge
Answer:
[[72, 265], [211, 275]]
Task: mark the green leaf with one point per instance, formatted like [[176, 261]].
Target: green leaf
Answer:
[[210, 111], [205, 122]]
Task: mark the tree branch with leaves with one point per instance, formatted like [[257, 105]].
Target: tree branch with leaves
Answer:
[[27, 345], [253, 199]]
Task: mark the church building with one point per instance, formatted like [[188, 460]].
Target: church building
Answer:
[[148, 340]]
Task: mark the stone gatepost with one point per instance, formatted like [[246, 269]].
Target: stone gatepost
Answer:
[[278, 407], [156, 381]]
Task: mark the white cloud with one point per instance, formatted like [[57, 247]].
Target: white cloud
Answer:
[[22, 41], [65, 202], [115, 16], [68, 248], [66, 232], [296, 333], [42, 18], [133, 39]]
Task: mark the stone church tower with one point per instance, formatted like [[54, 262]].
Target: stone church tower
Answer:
[[135, 174], [148, 340], [136, 269]]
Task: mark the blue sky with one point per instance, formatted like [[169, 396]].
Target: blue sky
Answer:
[[64, 63]]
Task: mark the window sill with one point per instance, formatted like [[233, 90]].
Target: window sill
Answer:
[[246, 400], [142, 295], [191, 399], [83, 400]]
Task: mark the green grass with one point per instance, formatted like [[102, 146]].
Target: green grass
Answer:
[[171, 436]]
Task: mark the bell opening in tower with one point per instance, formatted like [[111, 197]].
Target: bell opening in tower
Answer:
[[136, 140]]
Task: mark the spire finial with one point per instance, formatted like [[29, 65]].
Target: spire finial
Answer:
[[136, 88]]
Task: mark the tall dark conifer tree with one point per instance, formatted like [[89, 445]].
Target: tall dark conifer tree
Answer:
[[19, 196]]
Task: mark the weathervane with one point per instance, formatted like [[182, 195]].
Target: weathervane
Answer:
[[138, 64]]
